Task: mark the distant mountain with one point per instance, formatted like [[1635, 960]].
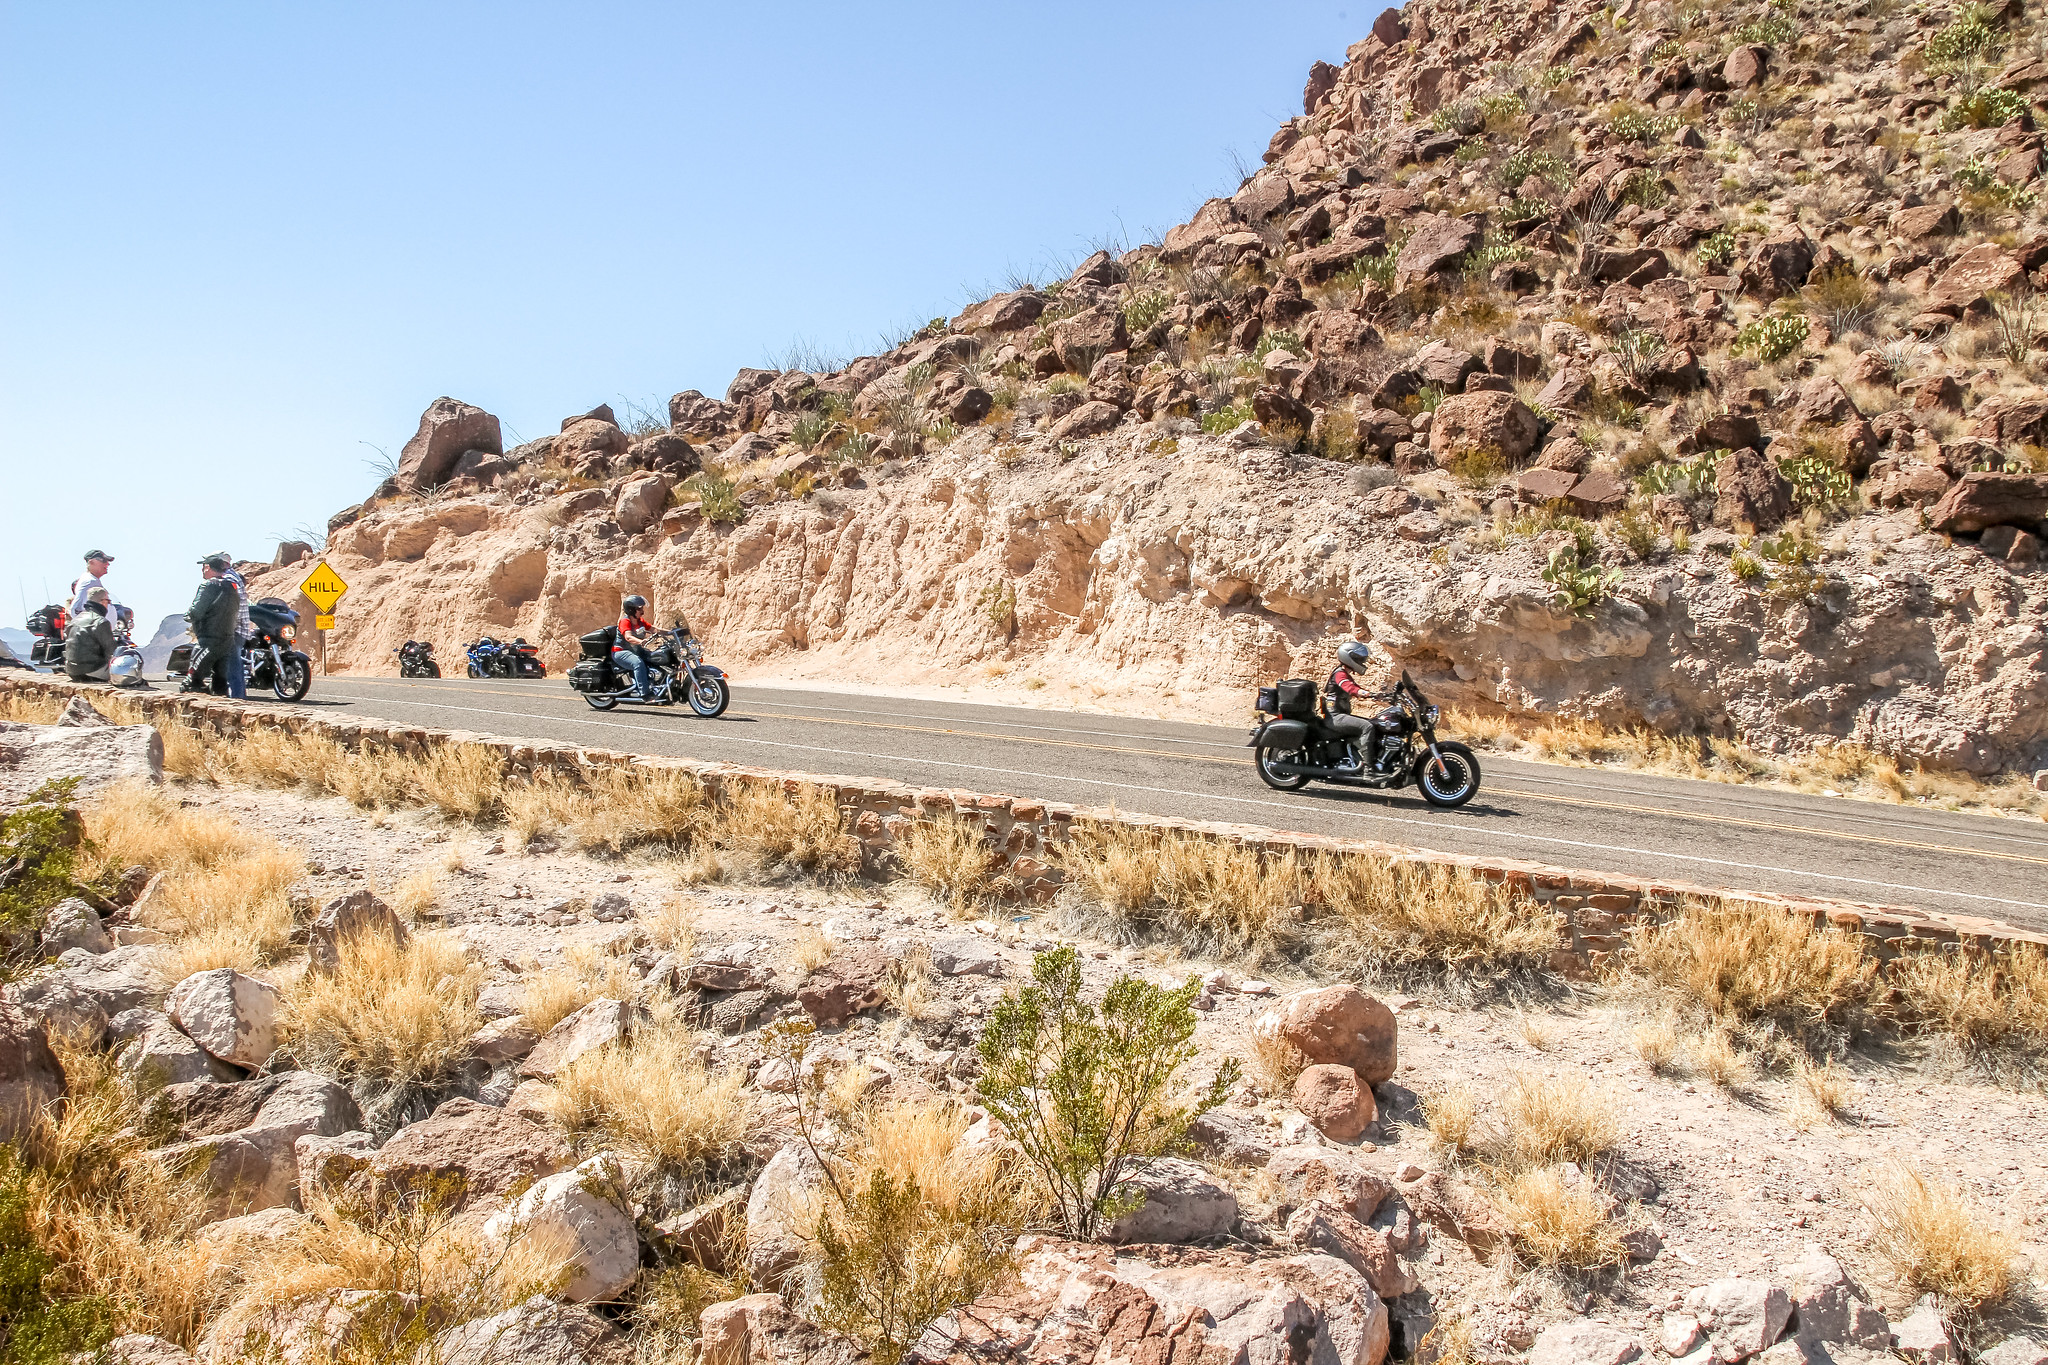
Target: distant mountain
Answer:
[[157, 652], [19, 641]]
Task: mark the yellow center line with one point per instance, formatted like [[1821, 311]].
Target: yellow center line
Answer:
[[1737, 820]]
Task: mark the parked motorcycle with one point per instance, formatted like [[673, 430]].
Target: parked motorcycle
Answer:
[[1298, 746], [416, 660], [48, 625], [270, 654], [676, 672], [490, 658]]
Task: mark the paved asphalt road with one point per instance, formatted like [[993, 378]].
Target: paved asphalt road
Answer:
[[1630, 823]]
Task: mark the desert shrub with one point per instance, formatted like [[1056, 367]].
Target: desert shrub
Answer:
[[1206, 894], [1988, 1003], [393, 1022], [1844, 299], [1581, 583], [1546, 1120], [1818, 480], [1773, 337], [1638, 531], [1645, 189], [1380, 910], [1989, 106], [1745, 566], [1559, 1222], [717, 497], [653, 1097], [1452, 1115], [1776, 27], [546, 998], [1634, 125], [1741, 962], [39, 846], [953, 860], [1687, 478], [38, 1324], [1933, 1241], [1279, 339], [802, 830], [1088, 1093], [1477, 466], [1144, 308], [1502, 110], [2016, 317], [1967, 37], [1657, 1045], [1554, 76], [809, 429]]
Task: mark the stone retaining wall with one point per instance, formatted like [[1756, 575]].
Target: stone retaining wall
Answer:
[[1594, 910]]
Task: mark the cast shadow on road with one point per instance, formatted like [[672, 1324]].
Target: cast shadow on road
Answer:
[[1344, 796]]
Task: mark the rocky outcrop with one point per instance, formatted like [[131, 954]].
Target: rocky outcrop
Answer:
[[30, 1078], [448, 428], [96, 755]]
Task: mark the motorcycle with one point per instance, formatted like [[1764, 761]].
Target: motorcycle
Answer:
[[489, 658], [269, 655], [1298, 746], [48, 625], [416, 660], [676, 672]]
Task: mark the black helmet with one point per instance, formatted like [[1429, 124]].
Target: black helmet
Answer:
[[1353, 654], [634, 603]]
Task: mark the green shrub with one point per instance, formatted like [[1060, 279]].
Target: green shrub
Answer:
[[1773, 337], [1645, 189], [1555, 76], [1967, 37], [37, 1327], [1576, 573], [1670, 50], [1716, 251], [1457, 117], [809, 429], [1145, 308], [1279, 339], [1817, 481], [1501, 111], [38, 847], [1089, 1093], [1531, 161], [1688, 478], [718, 498], [1990, 106], [1746, 566], [1377, 270], [1637, 531], [1469, 151], [1227, 419], [1497, 248], [1631, 125], [1773, 30]]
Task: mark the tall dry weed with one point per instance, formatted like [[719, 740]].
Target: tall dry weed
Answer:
[[1546, 1120], [654, 1098], [548, 997], [1559, 1222], [1207, 895], [1740, 962], [1421, 913], [1933, 1240], [952, 859], [800, 830], [1991, 1004]]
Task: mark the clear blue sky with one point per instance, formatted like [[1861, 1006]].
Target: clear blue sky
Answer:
[[238, 241]]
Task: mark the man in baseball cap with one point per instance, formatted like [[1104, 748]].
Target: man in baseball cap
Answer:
[[97, 562]]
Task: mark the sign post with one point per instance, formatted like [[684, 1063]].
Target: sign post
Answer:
[[323, 588]]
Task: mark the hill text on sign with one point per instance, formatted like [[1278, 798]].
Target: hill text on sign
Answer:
[[323, 588]]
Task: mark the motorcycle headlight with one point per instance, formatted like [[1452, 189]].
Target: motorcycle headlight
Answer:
[[288, 632], [1429, 716]]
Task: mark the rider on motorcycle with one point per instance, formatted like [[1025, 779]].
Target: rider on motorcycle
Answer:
[[630, 650], [1352, 659]]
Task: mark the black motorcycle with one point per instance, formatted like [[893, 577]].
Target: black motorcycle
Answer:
[[416, 660], [1298, 746], [676, 672], [489, 658], [270, 655]]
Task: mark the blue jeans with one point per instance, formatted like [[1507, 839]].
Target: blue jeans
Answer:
[[238, 670], [627, 659]]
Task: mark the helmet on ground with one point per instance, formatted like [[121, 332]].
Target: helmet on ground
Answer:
[[635, 603], [1353, 654]]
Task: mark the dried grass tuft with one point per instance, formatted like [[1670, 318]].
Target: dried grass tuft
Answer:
[[1716, 1058], [1452, 1114], [549, 997], [1558, 1222], [1992, 1005], [1742, 962], [1657, 1045], [953, 860], [1545, 1120], [653, 1097], [1415, 913], [1934, 1241], [1273, 1063]]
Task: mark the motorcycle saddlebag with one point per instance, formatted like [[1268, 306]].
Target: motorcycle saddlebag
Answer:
[[1296, 696], [597, 644], [591, 675], [1269, 701], [181, 658], [1283, 734]]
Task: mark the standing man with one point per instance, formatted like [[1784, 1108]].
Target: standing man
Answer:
[[238, 662], [89, 640], [212, 618], [97, 562]]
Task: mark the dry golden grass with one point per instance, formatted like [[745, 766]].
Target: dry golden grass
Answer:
[[652, 1097], [910, 986], [465, 781], [1545, 1120], [953, 860], [810, 949], [1847, 769], [1273, 1063], [1535, 1030], [390, 1020], [1933, 1241], [26, 709], [549, 997], [1452, 1114], [1412, 912], [1558, 1222], [1657, 1045], [672, 926], [1989, 1003], [1451, 1342], [802, 830], [1207, 895], [417, 894], [225, 896], [116, 1219], [1823, 1091], [1743, 962], [1715, 1057]]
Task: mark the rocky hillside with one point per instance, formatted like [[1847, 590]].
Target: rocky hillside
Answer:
[[1665, 364]]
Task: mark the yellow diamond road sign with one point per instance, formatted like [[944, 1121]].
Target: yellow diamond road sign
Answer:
[[323, 588]]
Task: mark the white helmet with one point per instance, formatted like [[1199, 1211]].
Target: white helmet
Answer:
[[1353, 654]]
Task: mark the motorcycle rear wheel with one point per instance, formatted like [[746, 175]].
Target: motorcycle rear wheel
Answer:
[[294, 680], [1455, 784], [433, 670], [1279, 782], [709, 697]]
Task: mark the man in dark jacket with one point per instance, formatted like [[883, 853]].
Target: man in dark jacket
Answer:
[[215, 609], [89, 640]]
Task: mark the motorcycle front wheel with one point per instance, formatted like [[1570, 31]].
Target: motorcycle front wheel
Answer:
[[293, 681], [709, 696], [1265, 756], [1452, 782], [475, 672], [600, 701]]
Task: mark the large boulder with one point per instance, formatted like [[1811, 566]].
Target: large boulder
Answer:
[[1335, 1100], [781, 1212], [1781, 264], [1085, 338], [71, 923], [540, 1331], [578, 1214], [491, 1152], [641, 502], [355, 915], [1826, 1309], [600, 1023], [1090, 419], [1483, 421], [1336, 1024], [234, 1017], [664, 452], [1584, 1342], [1445, 365], [1183, 1203], [163, 1056], [1075, 1302], [241, 1137], [1304, 1172], [850, 983], [1983, 269], [123, 979], [1011, 312], [1437, 244], [98, 756], [1322, 1224], [1276, 409], [447, 428], [695, 417], [1750, 494], [30, 1078], [759, 1329], [590, 444], [1982, 500], [1741, 1316]]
